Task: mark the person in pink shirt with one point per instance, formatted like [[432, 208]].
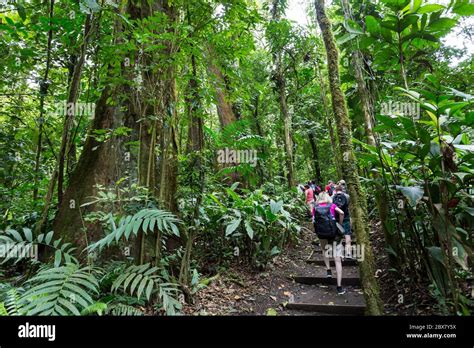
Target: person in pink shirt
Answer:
[[309, 193]]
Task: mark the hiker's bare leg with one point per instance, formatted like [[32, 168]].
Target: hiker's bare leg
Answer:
[[324, 242], [348, 245], [337, 261]]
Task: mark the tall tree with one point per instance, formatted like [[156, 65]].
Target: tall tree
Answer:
[[280, 82], [349, 165], [367, 105]]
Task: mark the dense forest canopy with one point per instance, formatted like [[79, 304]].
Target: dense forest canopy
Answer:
[[149, 145]]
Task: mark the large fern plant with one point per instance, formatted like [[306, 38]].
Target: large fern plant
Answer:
[[61, 290]]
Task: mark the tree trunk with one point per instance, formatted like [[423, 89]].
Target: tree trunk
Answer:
[[382, 199], [261, 172], [99, 164], [73, 94], [349, 169], [328, 121], [317, 168], [280, 82], [44, 84], [167, 111], [196, 125], [225, 110], [224, 106]]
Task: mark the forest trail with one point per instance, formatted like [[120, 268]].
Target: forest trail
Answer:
[[294, 283]]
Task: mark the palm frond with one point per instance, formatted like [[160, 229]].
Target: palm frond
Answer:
[[144, 280], [12, 302], [60, 291], [21, 245], [145, 220], [121, 309]]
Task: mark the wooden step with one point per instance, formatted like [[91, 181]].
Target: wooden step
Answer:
[[317, 243], [352, 281], [329, 309], [320, 262], [325, 300]]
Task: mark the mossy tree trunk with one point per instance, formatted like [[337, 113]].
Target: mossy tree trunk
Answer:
[[327, 120], [382, 198], [349, 167]]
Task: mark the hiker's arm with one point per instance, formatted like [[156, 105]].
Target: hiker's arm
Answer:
[[341, 215]]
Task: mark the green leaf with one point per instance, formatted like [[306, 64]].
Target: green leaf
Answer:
[[464, 9], [436, 253], [21, 11], [28, 234], [412, 193], [48, 238], [232, 226], [275, 207], [396, 5], [271, 312], [149, 289], [430, 8], [442, 24], [249, 229], [57, 258], [372, 25]]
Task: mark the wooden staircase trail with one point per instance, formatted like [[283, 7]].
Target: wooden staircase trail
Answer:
[[318, 293]]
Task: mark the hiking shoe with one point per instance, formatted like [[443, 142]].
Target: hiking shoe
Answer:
[[328, 274], [340, 290]]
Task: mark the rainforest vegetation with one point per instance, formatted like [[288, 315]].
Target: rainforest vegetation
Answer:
[[149, 146]]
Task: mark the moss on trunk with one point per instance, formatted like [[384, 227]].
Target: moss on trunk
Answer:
[[349, 167]]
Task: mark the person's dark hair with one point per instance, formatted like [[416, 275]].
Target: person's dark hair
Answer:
[[306, 186], [338, 188]]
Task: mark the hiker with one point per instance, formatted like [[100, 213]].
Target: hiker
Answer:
[[309, 197], [341, 199], [343, 185], [330, 188], [316, 188], [324, 214]]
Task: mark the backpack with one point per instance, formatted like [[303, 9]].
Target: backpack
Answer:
[[340, 199], [324, 224]]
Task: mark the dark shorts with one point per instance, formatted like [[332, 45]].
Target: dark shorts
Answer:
[[346, 224]]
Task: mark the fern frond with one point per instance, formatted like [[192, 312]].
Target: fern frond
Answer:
[[60, 291], [145, 220], [20, 246], [121, 309], [3, 310], [142, 280], [12, 302], [145, 280], [96, 308]]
